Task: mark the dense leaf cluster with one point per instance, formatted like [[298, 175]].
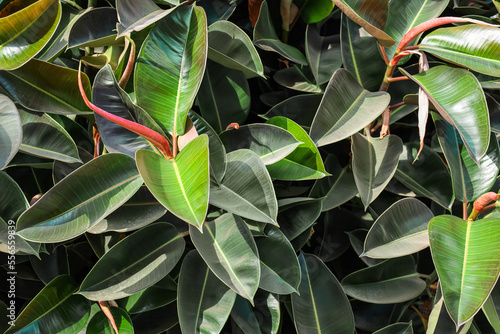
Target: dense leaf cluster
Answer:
[[229, 166]]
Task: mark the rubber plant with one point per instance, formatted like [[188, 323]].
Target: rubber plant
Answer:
[[230, 166]]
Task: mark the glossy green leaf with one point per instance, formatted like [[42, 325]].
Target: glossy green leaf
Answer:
[[299, 108], [108, 95], [281, 274], [304, 163], [244, 316], [42, 86], [135, 263], [263, 318], [369, 14], [26, 32], [59, 40], [10, 131], [101, 324], [137, 15], [470, 180], [361, 55], [160, 294], [323, 53], [246, 189], [230, 46], [228, 248], [297, 78], [345, 109], [81, 199], [271, 143], [12, 204], [374, 162], [43, 137], [466, 255], [474, 46], [265, 37], [170, 67], [215, 147], [391, 281], [396, 328], [401, 230], [297, 215], [315, 11], [491, 314], [458, 97], [224, 96], [180, 184], [49, 266], [141, 209], [415, 175], [440, 321], [218, 10], [54, 310], [404, 15], [336, 189], [204, 302], [95, 28], [320, 293]]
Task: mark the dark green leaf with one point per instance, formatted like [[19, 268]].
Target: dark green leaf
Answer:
[[135, 263], [228, 248], [81, 199], [320, 293], [204, 302], [10, 131]]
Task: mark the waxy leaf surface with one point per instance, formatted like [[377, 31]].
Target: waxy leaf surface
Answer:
[[10, 130], [170, 67], [392, 281], [228, 248], [230, 46], [54, 310], [26, 32], [470, 180], [415, 175], [81, 199], [304, 163], [42, 86], [135, 263], [44, 137], [467, 259], [460, 100], [271, 143], [345, 109], [370, 14], [474, 46], [320, 292], [247, 189], [198, 289], [181, 184], [401, 230], [374, 162]]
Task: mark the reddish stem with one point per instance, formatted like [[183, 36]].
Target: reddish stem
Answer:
[[384, 54], [397, 105], [398, 79], [130, 65], [150, 135], [96, 136], [105, 309]]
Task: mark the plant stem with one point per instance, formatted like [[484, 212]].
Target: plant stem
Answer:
[[130, 65], [464, 207], [150, 135], [174, 144], [36, 180], [384, 54]]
